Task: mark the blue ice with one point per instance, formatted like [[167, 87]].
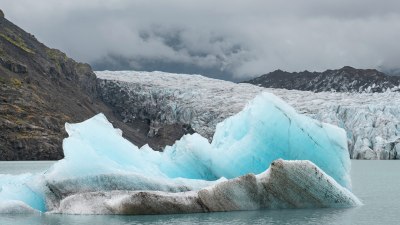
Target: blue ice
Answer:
[[265, 130]]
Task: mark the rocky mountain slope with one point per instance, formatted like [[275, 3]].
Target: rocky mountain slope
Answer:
[[41, 89], [346, 79], [370, 119]]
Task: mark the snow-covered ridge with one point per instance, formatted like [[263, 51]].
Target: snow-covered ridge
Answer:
[[370, 119]]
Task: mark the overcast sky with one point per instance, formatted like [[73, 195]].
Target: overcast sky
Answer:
[[228, 39]]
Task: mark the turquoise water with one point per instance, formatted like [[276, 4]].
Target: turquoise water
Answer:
[[376, 183]]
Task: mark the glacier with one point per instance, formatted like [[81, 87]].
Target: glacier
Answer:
[[371, 120], [266, 156]]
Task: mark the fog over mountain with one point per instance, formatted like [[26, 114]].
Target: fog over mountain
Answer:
[[233, 40]]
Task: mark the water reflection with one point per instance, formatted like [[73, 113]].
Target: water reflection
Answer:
[[295, 216]]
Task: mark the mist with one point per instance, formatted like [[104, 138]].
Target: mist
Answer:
[[231, 40]]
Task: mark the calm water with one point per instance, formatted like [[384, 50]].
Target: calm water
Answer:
[[376, 183]]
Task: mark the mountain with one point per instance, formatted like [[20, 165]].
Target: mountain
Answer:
[[41, 89], [346, 79]]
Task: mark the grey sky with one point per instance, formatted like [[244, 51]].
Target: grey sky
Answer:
[[228, 39]]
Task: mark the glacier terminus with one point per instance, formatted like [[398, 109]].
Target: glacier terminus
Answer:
[[370, 119]]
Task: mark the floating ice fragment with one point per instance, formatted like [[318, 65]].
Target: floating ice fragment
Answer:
[[104, 173], [286, 184]]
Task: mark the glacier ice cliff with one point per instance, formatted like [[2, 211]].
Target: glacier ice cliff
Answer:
[[299, 162], [371, 120]]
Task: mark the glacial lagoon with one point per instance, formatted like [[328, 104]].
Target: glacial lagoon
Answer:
[[376, 183]]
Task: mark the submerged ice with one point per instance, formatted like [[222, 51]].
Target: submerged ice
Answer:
[[104, 173]]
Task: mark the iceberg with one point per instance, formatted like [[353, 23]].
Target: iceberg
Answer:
[[299, 163], [249, 192]]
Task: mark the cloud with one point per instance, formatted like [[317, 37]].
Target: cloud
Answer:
[[228, 39]]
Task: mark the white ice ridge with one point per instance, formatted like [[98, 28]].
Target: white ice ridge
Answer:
[[371, 120], [104, 173]]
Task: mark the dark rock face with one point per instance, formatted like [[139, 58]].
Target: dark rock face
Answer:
[[346, 79], [13, 66], [40, 90]]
